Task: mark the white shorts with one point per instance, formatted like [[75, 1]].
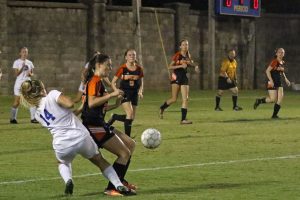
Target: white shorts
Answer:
[[87, 148], [17, 88], [81, 87]]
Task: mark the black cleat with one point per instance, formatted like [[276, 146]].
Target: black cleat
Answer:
[[218, 109], [69, 188], [126, 191], [13, 121], [34, 121], [256, 103], [237, 108], [275, 117]]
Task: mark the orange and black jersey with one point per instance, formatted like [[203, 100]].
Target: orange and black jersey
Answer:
[[277, 69], [94, 116], [130, 79], [179, 59]]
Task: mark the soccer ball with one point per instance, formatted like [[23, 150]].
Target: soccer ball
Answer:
[[151, 138]]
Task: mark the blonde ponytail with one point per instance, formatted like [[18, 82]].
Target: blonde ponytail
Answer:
[[31, 93]]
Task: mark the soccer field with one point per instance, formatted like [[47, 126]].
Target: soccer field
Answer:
[[222, 156]]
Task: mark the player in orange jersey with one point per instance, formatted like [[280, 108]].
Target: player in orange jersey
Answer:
[[131, 75], [93, 114], [179, 80], [275, 72]]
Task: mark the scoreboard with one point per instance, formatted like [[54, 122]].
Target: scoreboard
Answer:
[[249, 8]]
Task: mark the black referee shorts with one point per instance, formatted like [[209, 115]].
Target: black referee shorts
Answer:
[[223, 85]]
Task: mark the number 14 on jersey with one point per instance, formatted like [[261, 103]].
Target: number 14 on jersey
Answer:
[[47, 117]]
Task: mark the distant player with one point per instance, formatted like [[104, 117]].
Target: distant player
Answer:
[[131, 75], [93, 114], [275, 72], [228, 80], [179, 80], [23, 69], [70, 137]]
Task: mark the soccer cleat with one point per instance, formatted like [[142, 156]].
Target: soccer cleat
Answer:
[[275, 117], [69, 187], [218, 109], [184, 122], [237, 108], [113, 193], [126, 191], [129, 185], [256, 104], [161, 113], [34, 121], [13, 121]]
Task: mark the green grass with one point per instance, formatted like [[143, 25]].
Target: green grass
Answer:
[[222, 156]]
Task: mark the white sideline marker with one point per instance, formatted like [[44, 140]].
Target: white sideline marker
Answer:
[[162, 168]]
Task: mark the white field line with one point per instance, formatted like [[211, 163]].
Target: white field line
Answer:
[[162, 168]]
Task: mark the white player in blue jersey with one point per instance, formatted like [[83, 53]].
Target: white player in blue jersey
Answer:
[[23, 69], [70, 137]]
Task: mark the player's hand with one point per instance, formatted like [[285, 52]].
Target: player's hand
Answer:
[[288, 83], [119, 100], [184, 65], [270, 84], [141, 95], [229, 80], [116, 93], [197, 69]]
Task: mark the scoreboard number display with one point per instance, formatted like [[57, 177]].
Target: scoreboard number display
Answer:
[[248, 8]]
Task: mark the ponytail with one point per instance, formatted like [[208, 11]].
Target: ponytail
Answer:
[[97, 58], [31, 93]]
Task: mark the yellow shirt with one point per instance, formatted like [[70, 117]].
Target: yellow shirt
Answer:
[[229, 68]]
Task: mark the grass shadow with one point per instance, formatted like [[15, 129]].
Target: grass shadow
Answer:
[[260, 120], [213, 186]]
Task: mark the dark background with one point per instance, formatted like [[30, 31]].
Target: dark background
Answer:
[[269, 6]]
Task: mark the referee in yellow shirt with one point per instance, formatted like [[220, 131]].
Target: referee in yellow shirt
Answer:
[[228, 80]]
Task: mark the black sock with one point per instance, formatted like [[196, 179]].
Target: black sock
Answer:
[[218, 99], [127, 126], [183, 114], [121, 171], [276, 109], [127, 166], [164, 106], [262, 100], [120, 118], [234, 101]]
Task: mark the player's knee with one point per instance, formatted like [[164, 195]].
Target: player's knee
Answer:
[[129, 115], [279, 100], [273, 99], [185, 100], [131, 146], [125, 154], [173, 100]]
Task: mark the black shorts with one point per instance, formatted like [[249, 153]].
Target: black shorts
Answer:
[[100, 134], [277, 84], [179, 79], [223, 85], [131, 96]]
